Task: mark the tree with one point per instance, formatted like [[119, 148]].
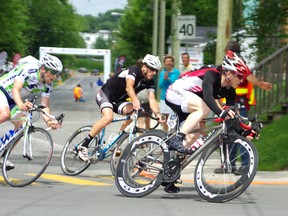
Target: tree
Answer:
[[58, 26], [102, 43], [267, 21], [135, 31], [14, 24], [51, 23]]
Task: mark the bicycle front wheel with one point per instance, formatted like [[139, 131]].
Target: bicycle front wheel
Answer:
[[216, 181], [140, 167], [120, 146], [30, 155], [70, 162]]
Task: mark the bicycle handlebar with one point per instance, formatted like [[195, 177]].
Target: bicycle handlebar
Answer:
[[150, 116], [39, 108], [253, 123]]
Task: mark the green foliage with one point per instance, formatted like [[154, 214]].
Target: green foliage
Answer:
[[51, 23], [209, 53], [102, 43], [88, 63], [13, 21], [205, 11], [104, 21], [268, 20], [58, 21], [272, 146], [135, 26]]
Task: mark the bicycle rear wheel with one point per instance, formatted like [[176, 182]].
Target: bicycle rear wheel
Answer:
[[30, 167], [120, 146], [140, 167], [216, 182], [70, 162]]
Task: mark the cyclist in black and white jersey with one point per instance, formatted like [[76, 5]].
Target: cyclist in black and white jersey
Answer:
[[113, 95], [193, 96], [30, 76]]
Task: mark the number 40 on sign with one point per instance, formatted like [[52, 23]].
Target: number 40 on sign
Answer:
[[186, 27]]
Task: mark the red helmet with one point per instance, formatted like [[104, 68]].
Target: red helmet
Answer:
[[236, 64]]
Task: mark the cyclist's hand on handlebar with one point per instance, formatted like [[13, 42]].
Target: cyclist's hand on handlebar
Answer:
[[25, 106], [136, 104], [161, 117], [251, 134], [227, 113], [53, 124]]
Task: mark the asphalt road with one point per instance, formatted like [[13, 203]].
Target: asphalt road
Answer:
[[93, 192]]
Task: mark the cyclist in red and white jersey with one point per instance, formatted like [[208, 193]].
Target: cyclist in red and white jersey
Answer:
[[193, 95]]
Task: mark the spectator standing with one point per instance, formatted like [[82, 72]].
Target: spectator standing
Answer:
[[166, 78], [186, 65]]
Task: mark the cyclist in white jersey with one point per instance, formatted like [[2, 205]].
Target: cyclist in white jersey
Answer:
[[28, 77]]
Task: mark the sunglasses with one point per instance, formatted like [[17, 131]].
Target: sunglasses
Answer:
[[151, 69], [239, 77], [53, 72]]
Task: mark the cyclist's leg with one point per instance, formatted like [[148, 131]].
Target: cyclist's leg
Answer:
[[196, 109], [4, 108], [5, 116], [106, 118], [123, 108]]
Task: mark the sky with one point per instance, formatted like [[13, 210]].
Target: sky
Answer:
[[94, 7]]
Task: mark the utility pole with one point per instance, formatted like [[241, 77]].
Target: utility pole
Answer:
[[161, 49], [155, 27], [224, 27], [162, 29], [175, 43]]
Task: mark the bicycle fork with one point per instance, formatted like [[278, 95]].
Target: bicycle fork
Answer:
[[27, 144]]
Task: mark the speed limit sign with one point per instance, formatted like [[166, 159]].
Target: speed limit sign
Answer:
[[186, 27]]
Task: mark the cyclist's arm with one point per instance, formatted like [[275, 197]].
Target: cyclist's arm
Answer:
[[131, 93], [17, 86], [208, 81], [50, 123], [259, 83], [154, 105]]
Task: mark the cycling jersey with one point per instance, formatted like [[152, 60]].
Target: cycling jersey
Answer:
[[204, 83], [116, 85], [113, 93], [29, 75]]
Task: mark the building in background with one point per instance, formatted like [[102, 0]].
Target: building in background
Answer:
[[91, 38]]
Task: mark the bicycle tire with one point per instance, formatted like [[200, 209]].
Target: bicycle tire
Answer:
[[140, 167], [119, 147], [28, 170], [70, 163], [225, 185]]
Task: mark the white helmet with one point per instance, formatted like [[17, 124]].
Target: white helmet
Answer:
[[152, 61], [51, 62]]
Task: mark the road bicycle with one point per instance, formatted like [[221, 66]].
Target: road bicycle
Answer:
[[100, 147], [29, 148], [147, 162]]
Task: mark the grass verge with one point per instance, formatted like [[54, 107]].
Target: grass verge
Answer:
[[273, 146]]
